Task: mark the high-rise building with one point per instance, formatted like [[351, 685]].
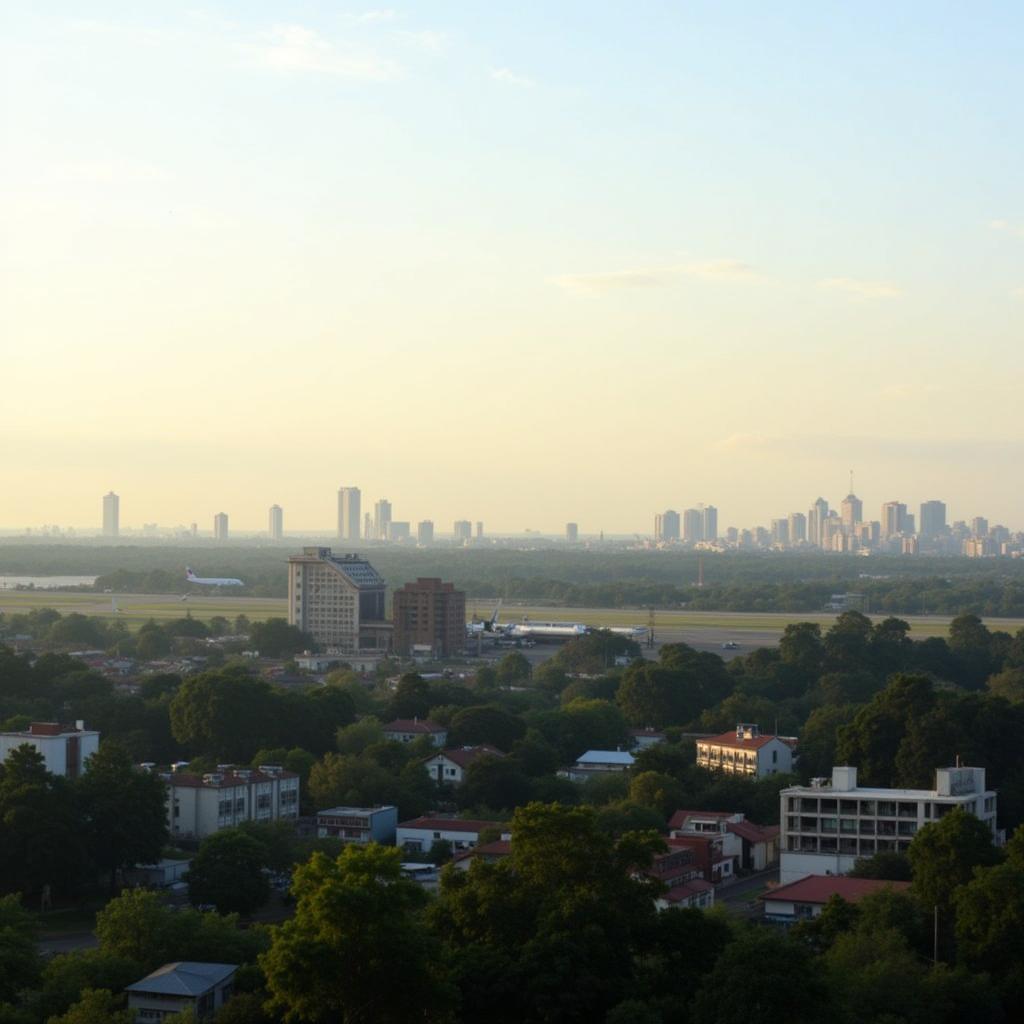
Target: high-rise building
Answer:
[[693, 525], [852, 511], [349, 512], [797, 528], [429, 613], [276, 522], [572, 533], [780, 532], [381, 518], [816, 522], [367, 526], [479, 530], [220, 526], [666, 526], [933, 519], [462, 530], [893, 516], [398, 530], [425, 532], [709, 522], [339, 601], [111, 514], [979, 526]]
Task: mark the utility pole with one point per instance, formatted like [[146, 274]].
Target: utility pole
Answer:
[[935, 936], [650, 626]]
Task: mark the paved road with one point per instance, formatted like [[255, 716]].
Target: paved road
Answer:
[[51, 945], [741, 897]]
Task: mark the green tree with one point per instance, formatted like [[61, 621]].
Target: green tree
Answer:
[[274, 638], [661, 792], [513, 668], [67, 976], [888, 864], [1008, 684], [19, 957], [801, 647], [228, 873], [485, 724], [411, 698], [355, 738], [355, 951], [990, 919], [97, 1006], [498, 783]]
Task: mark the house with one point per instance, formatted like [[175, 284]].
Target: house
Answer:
[[751, 847], [161, 875], [746, 751], [713, 856], [450, 765], [65, 748], [176, 987], [358, 824], [827, 825], [696, 894], [641, 739], [596, 762], [420, 834], [489, 853], [806, 898], [405, 730], [760, 844]]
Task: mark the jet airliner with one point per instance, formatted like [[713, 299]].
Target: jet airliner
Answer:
[[212, 581]]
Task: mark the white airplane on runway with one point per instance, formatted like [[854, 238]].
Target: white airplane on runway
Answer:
[[477, 627], [212, 581]]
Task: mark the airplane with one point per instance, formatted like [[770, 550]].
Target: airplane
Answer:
[[212, 581], [490, 625], [527, 630]]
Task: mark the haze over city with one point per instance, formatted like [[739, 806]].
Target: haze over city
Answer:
[[526, 266]]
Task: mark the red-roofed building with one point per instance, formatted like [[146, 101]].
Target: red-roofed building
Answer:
[[807, 897], [696, 893], [420, 834], [751, 847], [450, 765], [760, 844], [490, 853], [745, 751], [405, 730]]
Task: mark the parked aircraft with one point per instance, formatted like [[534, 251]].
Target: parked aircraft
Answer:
[[212, 581]]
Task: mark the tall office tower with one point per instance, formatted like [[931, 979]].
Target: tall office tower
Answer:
[[381, 518], [979, 526], [429, 613], [339, 601], [831, 525], [816, 522], [693, 525], [425, 532], [709, 522], [276, 524], [111, 514], [893, 515], [780, 532], [933, 519], [797, 528], [852, 511], [666, 526], [909, 525], [479, 530], [349, 512], [368, 526], [732, 535], [398, 530], [220, 526], [572, 532], [462, 530]]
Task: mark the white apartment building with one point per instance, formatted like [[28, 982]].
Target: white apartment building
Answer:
[[65, 748], [199, 805], [826, 826], [746, 751], [420, 834]]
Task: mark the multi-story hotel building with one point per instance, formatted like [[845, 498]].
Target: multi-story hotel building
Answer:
[[429, 615], [65, 748], [339, 601], [826, 826], [745, 751]]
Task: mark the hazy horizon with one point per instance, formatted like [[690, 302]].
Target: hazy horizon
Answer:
[[525, 265]]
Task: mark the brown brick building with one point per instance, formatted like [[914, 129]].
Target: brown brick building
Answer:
[[429, 613]]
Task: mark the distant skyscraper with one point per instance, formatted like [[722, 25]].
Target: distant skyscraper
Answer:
[[572, 533], [852, 511], [220, 526], [666, 526], [709, 522], [276, 522], [462, 530], [349, 512], [979, 526], [398, 530], [780, 532], [797, 528], [693, 525], [381, 518], [816, 522], [111, 514], [479, 530], [425, 532], [933, 519], [368, 526], [893, 515]]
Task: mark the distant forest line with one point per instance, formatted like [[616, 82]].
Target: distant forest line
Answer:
[[736, 582]]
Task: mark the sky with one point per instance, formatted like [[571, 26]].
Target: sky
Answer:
[[523, 263]]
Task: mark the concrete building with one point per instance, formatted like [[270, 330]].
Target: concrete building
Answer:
[[797, 528], [405, 730], [186, 985], [780, 532], [430, 615], [339, 601], [275, 522], [816, 522], [693, 525], [220, 526], [479, 530], [65, 748], [851, 511], [358, 824], [449, 766], [111, 514], [598, 762], [350, 503], [745, 751], [709, 522], [381, 519], [399, 531], [199, 805], [979, 526], [572, 533], [806, 898], [893, 516], [420, 834], [425, 532], [933, 519], [826, 826], [462, 531], [666, 526]]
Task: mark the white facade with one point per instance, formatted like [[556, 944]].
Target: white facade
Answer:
[[358, 824], [745, 751], [420, 834], [451, 765], [828, 825], [65, 748], [198, 806], [405, 730], [173, 988]]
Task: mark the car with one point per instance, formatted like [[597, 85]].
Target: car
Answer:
[[730, 645]]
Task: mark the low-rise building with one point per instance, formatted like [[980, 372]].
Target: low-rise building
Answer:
[[187, 985], [806, 897], [65, 748], [696, 894], [489, 853], [597, 762], [199, 805], [358, 824], [641, 739], [826, 826], [751, 847], [420, 834], [746, 751], [450, 765], [405, 730]]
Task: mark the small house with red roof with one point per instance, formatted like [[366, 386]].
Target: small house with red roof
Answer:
[[746, 751], [806, 897], [405, 730], [489, 853], [450, 765]]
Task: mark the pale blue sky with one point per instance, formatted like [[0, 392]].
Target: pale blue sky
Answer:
[[624, 257]]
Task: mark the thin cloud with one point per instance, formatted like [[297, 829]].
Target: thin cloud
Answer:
[[864, 289], [1007, 227], [108, 172], [650, 277], [371, 17], [295, 49], [511, 78]]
